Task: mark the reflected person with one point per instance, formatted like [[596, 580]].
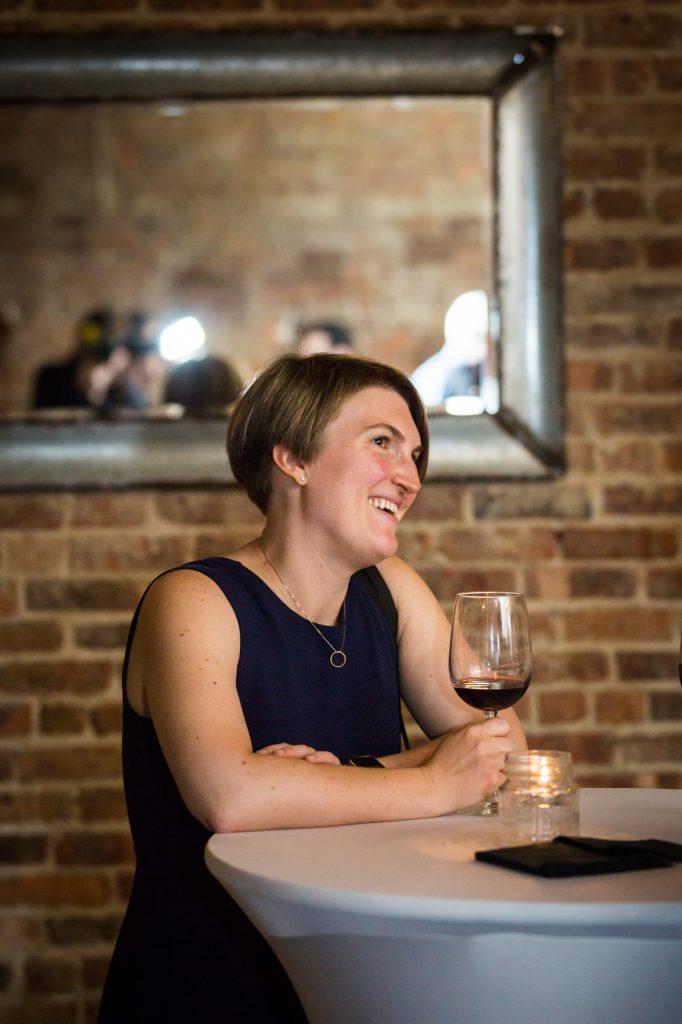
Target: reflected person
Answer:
[[324, 336], [83, 380], [457, 367], [203, 385], [253, 679]]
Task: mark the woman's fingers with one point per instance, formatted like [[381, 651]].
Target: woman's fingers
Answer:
[[322, 757], [301, 751]]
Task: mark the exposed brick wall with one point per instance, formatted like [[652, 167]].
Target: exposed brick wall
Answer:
[[598, 552]]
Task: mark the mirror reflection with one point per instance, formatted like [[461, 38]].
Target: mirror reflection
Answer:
[[156, 255]]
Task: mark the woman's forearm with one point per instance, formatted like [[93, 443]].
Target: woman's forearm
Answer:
[[412, 758]]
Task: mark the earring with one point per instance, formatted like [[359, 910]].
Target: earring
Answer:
[[303, 479]]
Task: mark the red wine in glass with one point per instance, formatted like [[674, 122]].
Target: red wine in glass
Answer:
[[490, 656], [492, 693]]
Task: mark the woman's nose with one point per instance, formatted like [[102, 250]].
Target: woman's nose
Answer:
[[407, 475]]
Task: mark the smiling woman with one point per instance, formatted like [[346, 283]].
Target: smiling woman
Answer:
[[255, 683]]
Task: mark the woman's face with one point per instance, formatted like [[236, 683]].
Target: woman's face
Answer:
[[364, 479]]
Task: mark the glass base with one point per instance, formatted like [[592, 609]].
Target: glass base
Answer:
[[484, 809]]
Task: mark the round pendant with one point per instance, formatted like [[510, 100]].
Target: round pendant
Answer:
[[337, 659]]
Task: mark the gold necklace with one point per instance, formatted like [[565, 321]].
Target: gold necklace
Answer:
[[337, 659]]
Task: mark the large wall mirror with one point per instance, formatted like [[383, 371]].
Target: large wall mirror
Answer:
[[403, 187]]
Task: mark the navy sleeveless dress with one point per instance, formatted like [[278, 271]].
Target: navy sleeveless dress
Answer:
[[185, 951]]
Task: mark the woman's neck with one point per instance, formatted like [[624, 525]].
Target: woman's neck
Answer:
[[302, 575]]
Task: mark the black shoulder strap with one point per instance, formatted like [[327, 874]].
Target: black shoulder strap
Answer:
[[371, 580]]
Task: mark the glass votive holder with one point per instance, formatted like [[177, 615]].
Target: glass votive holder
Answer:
[[539, 798]]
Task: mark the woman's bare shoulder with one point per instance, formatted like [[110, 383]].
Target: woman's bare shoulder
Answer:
[[183, 590]]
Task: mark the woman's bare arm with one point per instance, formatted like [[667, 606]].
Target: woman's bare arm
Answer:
[[183, 673], [423, 653]]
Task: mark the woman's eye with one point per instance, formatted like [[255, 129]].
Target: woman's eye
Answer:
[[381, 442]]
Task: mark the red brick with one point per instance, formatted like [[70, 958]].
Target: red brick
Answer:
[[638, 30], [102, 804], [662, 253], [84, 763], [647, 375], [438, 502], [81, 849], [561, 706], [599, 162], [9, 593], [586, 747], [460, 543], [220, 541], [122, 553], [573, 205], [40, 677], [580, 455], [635, 542], [600, 254], [40, 553], [82, 594], [645, 666], [20, 512], [614, 583], [94, 971], [107, 635], [106, 719], [665, 583], [632, 456], [30, 635], [416, 546], [550, 583], [666, 706], [584, 375], [23, 849], [634, 417], [668, 74], [79, 889], [51, 975], [668, 205], [675, 333], [84, 929], [109, 509], [615, 706], [555, 501], [447, 583], [652, 749], [40, 1008], [15, 720], [672, 455], [665, 500], [86, 6], [668, 157], [618, 203], [62, 719], [615, 623], [586, 666], [194, 508], [35, 807]]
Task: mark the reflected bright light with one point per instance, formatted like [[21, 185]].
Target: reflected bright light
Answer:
[[464, 405], [181, 339]]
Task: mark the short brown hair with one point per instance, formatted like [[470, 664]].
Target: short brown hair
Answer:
[[291, 401]]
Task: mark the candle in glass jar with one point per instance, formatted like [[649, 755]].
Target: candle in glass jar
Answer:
[[539, 798]]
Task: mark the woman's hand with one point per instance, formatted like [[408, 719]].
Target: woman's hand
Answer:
[[467, 765], [300, 751]]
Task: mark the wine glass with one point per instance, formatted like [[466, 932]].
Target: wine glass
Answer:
[[490, 657]]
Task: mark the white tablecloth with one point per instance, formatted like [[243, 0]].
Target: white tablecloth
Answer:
[[396, 922]]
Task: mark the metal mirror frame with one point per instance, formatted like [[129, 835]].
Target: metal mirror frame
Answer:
[[517, 69]]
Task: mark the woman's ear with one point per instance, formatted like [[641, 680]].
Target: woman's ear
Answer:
[[289, 464]]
